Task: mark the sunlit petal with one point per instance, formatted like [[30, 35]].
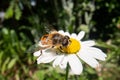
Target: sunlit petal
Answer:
[[96, 53], [66, 33], [88, 43], [73, 35], [58, 60], [75, 64], [88, 59], [37, 53], [61, 31], [46, 58], [81, 35], [63, 63]]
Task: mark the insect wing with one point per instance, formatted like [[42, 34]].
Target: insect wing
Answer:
[[33, 48]]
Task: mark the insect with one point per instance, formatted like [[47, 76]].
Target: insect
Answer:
[[55, 40]]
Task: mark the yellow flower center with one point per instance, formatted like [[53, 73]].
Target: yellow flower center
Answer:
[[72, 48]]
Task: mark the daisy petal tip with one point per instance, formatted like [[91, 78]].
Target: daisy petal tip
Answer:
[[67, 33], [37, 53], [105, 55], [38, 62], [75, 64], [81, 35], [102, 59], [83, 32], [78, 72], [93, 42], [73, 35], [54, 65], [61, 31], [88, 43]]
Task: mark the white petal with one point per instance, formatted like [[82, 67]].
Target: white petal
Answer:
[[88, 43], [81, 35], [61, 32], [74, 35], [46, 60], [88, 59], [58, 60], [37, 53], [67, 33], [63, 63], [96, 53], [75, 64], [46, 56]]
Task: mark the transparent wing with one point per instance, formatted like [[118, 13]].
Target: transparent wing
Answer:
[[48, 28], [33, 48]]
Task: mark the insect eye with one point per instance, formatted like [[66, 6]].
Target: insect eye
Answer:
[[65, 41], [67, 37]]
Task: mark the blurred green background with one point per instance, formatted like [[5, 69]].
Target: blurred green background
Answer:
[[23, 22]]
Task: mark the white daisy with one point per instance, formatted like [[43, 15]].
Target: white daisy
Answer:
[[72, 54]]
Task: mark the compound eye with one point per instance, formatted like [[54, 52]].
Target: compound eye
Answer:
[[67, 37], [65, 41]]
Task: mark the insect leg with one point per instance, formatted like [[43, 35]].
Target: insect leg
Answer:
[[53, 46], [41, 52]]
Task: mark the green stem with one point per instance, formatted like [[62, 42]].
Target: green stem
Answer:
[[67, 72]]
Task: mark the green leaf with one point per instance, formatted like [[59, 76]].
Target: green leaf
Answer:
[[5, 31], [83, 27], [1, 55], [3, 68], [18, 12], [91, 70], [11, 63], [17, 76], [39, 75], [9, 12], [2, 77]]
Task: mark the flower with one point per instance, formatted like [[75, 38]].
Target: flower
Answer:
[[72, 54]]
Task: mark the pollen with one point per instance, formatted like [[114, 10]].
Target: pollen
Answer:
[[73, 47]]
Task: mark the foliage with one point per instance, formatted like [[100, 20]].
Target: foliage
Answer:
[[25, 21]]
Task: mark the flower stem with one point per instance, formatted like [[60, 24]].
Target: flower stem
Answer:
[[67, 72]]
